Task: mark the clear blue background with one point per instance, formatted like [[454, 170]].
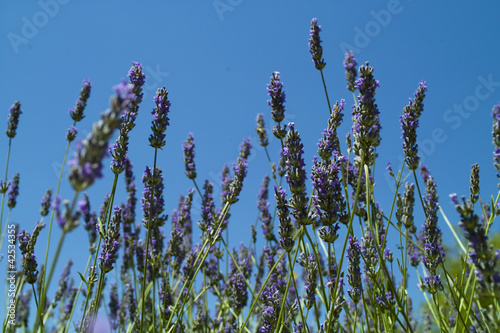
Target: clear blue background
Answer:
[[215, 58]]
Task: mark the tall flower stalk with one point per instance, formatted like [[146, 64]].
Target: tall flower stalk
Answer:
[[13, 122]]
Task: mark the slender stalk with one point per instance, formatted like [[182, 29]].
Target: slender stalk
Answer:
[[326, 92], [76, 297], [5, 179]]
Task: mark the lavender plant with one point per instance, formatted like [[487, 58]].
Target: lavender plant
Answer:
[[319, 262]]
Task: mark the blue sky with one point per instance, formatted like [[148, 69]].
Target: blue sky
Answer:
[[215, 59]]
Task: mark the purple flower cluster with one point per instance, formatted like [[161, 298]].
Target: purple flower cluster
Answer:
[[240, 271], [328, 198], [261, 130], [330, 141], [315, 45], [277, 101], [13, 119], [89, 221], [370, 254], [433, 250], [182, 229], [63, 283], [137, 78], [409, 125], [271, 305], [111, 243], [311, 269], [240, 172], [386, 301], [152, 201], [71, 134], [354, 272], [86, 165], [13, 191], [496, 138], [113, 306], [27, 246], [286, 226], [160, 118], [207, 207], [365, 116], [350, 64], [188, 148], [474, 183], [264, 215], [47, 198], [66, 219], [405, 205], [76, 112], [119, 149], [296, 176], [329, 201], [481, 254]]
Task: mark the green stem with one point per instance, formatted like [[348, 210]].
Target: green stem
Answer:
[[5, 179], [77, 294], [326, 92]]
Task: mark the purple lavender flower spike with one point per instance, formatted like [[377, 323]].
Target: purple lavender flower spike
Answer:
[[409, 125], [137, 79], [120, 147], [89, 221], [433, 250], [311, 270], [264, 214], [496, 138], [474, 183], [188, 148], [407, 203], [315, 45], [296, 176], [27, 246], [111, 243], [354, 277], [13, 191], [114, 306], [350, 64], [86, 165], [46, 200], [71, 134], [63, 283], [76, 112], [366, 123], [207, 207], [481, 254], [424, 172], [153, 201], [240, 172], [286, 226], [160, 118], [15, 112], [271, 299], [277, 101], [261, 130]]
